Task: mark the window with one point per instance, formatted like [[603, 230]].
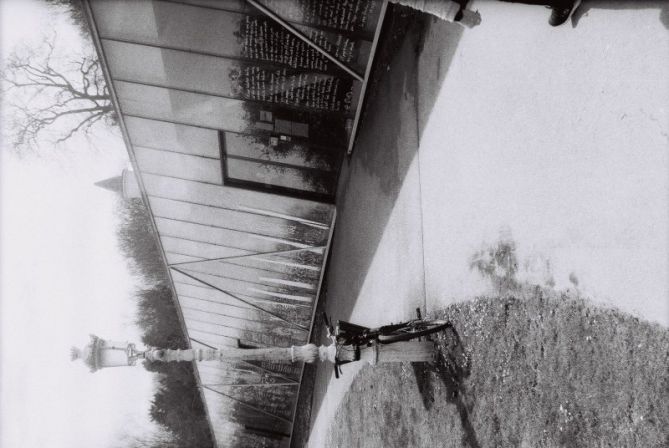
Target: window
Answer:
[[275, 165], [291, 128]]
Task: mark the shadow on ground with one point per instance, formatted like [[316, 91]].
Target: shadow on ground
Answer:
[[372, 177], [395, 110], [451, 369]]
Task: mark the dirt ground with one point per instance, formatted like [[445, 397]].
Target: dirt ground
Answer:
[[532, 369], [528, 367]]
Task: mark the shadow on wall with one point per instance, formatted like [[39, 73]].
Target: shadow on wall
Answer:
[[501, 265], [587, 5]]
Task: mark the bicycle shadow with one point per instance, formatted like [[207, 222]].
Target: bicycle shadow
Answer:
[[587, 5], [451, 368]]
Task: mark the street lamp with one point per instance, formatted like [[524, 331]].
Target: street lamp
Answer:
[[100, 353]]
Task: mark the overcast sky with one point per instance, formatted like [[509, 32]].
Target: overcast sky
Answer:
[[62, 277]]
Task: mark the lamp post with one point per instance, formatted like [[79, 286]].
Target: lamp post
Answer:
[[100, 353]]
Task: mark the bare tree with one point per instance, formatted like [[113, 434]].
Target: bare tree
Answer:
[[53, 97]]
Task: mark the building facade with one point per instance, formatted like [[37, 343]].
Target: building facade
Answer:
[[237, 115]]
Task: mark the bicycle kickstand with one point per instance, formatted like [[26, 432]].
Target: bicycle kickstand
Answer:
[[420, 317]]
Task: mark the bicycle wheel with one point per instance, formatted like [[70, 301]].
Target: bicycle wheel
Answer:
[[414, 329]]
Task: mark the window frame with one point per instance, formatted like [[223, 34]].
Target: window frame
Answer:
[[229, 181]]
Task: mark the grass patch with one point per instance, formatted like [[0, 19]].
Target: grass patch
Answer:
[[536, 368]]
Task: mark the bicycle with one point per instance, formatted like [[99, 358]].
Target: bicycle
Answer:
[[349, 338]]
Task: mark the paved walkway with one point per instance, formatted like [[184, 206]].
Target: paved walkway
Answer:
[[556, 137]]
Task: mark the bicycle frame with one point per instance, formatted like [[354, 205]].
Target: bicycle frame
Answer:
[[350, 338], [347, 333]]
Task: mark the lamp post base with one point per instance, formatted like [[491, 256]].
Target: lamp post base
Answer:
[[406, 351]]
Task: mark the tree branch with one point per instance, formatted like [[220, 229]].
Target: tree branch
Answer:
[[48, 91], [85, 125]]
